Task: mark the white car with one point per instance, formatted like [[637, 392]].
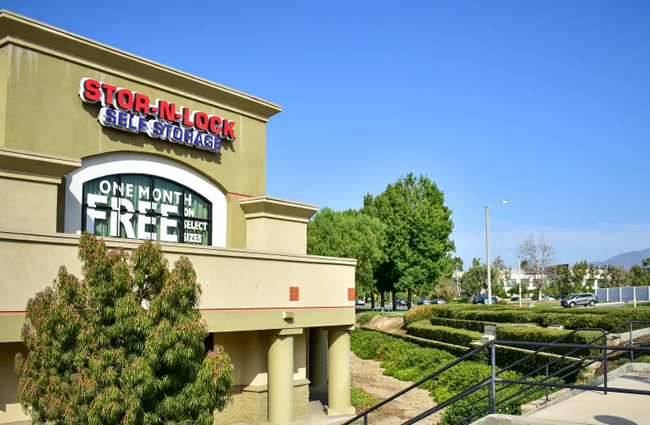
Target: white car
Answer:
[[360, 301]]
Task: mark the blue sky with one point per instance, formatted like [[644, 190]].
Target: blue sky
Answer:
[[546, 103]]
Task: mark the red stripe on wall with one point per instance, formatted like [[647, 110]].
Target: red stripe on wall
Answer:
[[238, 196], [8, 313]]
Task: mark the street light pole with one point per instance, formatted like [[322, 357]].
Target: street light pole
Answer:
[[487, 246]]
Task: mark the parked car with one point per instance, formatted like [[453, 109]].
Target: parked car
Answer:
[[514, 298], [482, 299], [401, 302], [438, 301], [580, 299], [361, 301], [424, 301]]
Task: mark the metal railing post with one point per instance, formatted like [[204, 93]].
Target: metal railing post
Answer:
[[493, 389], [632, 341], [546, 378], [365, 419], [605, 366]]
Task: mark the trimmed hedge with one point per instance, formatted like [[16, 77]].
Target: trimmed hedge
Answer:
[[470, 325], [454, 350], [602, 318], [444, 334], [520, 333]]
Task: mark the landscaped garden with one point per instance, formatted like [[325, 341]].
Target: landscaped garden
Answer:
[[437, 335]]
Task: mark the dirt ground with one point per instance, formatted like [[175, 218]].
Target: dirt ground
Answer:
[[392, 324], [368, 376]]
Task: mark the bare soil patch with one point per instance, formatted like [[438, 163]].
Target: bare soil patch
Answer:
[[368, 376], [392, 324]]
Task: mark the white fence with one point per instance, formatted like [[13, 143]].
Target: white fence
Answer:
[[627, 293]]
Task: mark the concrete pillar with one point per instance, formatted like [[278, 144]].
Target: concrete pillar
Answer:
[[318, 360], [338, 372], [281, 376]]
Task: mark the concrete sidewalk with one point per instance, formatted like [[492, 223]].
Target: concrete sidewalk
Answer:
[[598, 409]]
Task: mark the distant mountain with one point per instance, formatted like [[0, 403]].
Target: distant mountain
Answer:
[[628, 259]]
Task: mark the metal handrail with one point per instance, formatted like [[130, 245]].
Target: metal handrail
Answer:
[[540, 351], [465, 356], [545, 383]]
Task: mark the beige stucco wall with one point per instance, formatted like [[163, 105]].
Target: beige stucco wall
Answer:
[[10, 409], [27, 205], [242, 290], [277, 235], [4, 71]]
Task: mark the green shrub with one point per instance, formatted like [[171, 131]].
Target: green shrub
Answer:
[[602, 318], [536, 334], [444, 334], [506, 356], [470, 325]]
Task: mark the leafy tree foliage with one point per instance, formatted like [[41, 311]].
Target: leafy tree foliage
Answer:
[[349, 234], [563, 282], [503, 275], [418, 229], [475, 280], [613, 277], [641, 274], [593, 273], [578, 274], [125, 345]]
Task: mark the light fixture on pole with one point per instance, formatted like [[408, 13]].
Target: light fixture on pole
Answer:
[[519, 275], [487, 246]]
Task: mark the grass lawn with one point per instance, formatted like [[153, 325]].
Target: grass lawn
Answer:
[[644, 305]]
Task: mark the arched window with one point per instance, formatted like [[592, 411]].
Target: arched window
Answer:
[[140, 206]]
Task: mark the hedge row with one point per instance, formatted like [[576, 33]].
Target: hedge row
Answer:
[[462, 337], [569, 318], [506, 356], [521, 333], [470, 325], [454, 350]]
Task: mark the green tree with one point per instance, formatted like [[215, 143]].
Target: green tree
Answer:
[[640, 275], [349, 234], [579, 276], [418, 229], [503, 275], [594, 273], [562, 282], [125, 345], [614, 277], [475, 280]]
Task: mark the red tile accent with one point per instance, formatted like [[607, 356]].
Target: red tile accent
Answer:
[[294, 293], [351, 294]]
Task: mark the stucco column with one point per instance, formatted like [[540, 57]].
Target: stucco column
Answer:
[[338, 372], [318, 359], [281, 376]]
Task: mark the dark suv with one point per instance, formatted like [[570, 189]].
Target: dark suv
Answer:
[[580, 299]]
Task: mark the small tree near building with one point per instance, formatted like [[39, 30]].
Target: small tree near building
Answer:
[[538, 254], [125, 345]]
